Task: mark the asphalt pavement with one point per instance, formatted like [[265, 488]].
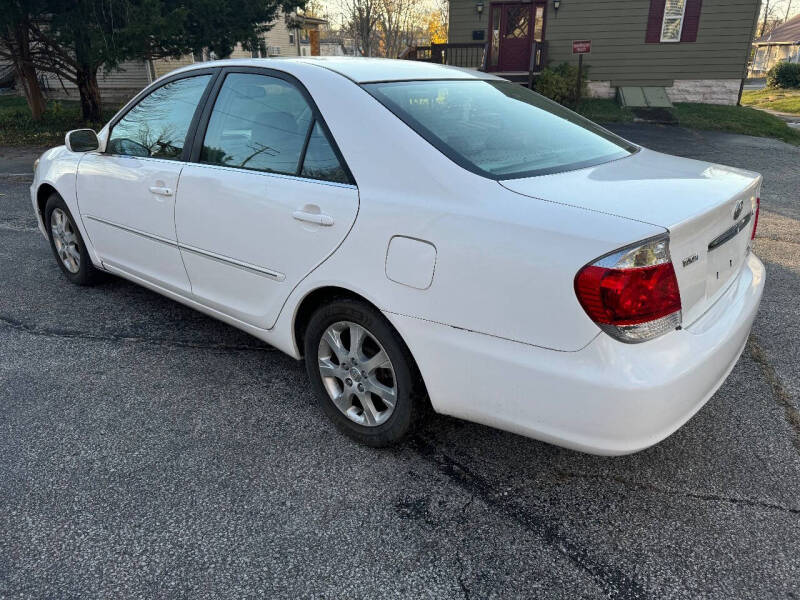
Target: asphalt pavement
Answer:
[[147, 451]]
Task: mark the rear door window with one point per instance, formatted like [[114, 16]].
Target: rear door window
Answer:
[[265, 123], [321, 161], [258, 122]]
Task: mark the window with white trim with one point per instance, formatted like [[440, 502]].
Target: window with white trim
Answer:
[[672, 25]]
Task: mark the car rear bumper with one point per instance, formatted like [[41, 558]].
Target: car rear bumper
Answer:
[[608, 398]]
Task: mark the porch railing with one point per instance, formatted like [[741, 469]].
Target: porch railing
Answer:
[[469, 55]]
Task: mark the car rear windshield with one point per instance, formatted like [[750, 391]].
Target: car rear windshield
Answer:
[[499, 129]]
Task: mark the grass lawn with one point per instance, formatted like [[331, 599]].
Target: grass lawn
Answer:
[[603, 110], [787, 101], [733, 119], [18, 129]]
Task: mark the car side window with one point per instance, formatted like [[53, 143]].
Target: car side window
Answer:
[[320, 160], [258, 122], [157, 126], [265, 123]]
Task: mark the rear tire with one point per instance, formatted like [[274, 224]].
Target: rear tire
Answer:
[[362, 373], [67, 244]]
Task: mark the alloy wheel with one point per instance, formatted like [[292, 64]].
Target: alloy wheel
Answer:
[[65, 240], [357, 373]]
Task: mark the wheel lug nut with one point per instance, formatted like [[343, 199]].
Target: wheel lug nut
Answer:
[[360, 387], [348, 381], [363, 374]]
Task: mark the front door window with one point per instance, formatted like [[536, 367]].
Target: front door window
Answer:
[[494, 36], [517, 21], [157, 126], [538, 23]]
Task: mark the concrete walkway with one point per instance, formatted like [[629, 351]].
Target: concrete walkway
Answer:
[[792, 120]]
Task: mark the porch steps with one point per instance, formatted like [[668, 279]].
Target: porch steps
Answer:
[[514, 76]]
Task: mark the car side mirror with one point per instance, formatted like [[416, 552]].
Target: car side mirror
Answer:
[[81, 140]]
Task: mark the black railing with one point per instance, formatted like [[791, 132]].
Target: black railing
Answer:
[[469, 55]]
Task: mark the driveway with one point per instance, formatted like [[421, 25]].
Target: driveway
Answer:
[[148, 451], [18, 160]]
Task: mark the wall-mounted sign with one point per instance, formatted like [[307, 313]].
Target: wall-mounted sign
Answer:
[[581, 46]]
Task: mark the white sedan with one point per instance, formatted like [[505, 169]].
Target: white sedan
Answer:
[[420, 233]]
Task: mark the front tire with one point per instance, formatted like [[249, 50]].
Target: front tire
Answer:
[[67, 244], [362, 373]]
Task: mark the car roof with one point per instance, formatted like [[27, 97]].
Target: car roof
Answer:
[[361, 70]]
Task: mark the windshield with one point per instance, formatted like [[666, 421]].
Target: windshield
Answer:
[[499, 129]]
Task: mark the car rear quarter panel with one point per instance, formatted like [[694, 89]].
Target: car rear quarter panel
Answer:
[[505, 263]]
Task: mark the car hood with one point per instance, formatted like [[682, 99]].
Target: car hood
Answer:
[[647, 186]]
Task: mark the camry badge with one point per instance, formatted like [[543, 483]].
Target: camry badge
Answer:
[[738, 210], [689, 260]]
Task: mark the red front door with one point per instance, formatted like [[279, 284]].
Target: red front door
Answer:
[[513, 27]]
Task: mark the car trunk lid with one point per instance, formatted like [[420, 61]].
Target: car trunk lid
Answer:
[[708, 210]]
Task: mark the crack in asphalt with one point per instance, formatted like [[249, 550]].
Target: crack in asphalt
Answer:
[[462, 568], [781, 395], [11, 225], [67, 334], [614, 582], [694, 495], [461, 575]]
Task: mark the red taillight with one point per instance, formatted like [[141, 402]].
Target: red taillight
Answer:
[[755, 221], [632, 294], [628, 296]]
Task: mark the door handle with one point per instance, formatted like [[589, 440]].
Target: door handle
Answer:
[[161, 191], [316, 218]]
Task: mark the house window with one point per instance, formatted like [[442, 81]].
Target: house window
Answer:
[[672, 25], [760, 59]]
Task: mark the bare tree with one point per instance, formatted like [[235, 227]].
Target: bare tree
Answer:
[[362, 17], [765, 8], [400, 22], [773, 13]]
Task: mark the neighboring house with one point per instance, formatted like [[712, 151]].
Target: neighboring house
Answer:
[[782, 43], [335, 45], [289, 34], [283, 39], [696, 49]]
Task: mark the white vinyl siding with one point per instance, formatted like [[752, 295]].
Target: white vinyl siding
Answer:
[[279, 40], [240, 52], [162, 66], [672, 26]]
